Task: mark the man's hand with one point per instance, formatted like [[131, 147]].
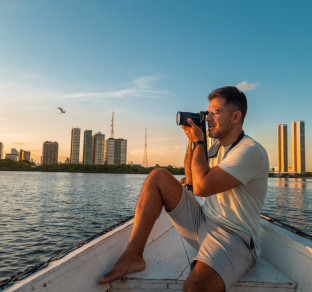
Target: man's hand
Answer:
[[193, 132]]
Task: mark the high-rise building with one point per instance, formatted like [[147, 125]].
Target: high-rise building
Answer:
[[87, 147], [24, 155], [115, 151], [1, 150], [50, 152], [120, 151], [298, 146], [109, 151], [75, 145], [282, 148], [98, 149], [14, 151]]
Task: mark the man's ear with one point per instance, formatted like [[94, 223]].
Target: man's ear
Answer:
[[237, 116]]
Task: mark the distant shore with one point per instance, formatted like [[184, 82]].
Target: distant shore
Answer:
[[9, 165], [291, 175]]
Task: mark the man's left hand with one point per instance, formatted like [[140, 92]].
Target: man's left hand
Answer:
[[193, 132]]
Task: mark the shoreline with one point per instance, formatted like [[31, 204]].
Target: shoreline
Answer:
[[9, 165]]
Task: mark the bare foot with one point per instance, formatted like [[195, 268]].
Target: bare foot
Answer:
[[129, 262]]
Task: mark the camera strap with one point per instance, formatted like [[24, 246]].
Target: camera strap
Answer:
[[240, 137]]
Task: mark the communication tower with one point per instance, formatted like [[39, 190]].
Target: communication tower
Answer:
[[145, 163], [112, 125]]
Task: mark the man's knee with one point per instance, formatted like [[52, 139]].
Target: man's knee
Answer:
[[160, 173], [158, 177], [167, 185]]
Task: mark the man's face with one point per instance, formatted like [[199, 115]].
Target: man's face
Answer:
[[219, 118]]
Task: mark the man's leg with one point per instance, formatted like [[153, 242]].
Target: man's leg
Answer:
[[204, 278], [159, 189]]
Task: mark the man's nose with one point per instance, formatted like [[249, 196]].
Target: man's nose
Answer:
[[209, 116]]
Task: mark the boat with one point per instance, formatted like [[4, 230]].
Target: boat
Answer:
[[285, 264]]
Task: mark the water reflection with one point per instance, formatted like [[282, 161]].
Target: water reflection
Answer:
[[296, 183], [290, 200], [283, 183]]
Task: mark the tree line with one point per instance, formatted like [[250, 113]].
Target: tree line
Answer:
[[9, 165]]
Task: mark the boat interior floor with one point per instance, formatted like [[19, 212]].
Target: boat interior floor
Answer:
[[168, 261]]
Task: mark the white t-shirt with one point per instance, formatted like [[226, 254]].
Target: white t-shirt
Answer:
[[240, 207]]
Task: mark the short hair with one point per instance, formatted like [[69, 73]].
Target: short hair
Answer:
[[232, 95]]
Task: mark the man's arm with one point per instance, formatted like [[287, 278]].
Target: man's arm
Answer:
[[187, 164], [206, 181], [209, 181]]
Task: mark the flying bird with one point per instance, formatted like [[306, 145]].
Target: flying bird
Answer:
[[61, 110]]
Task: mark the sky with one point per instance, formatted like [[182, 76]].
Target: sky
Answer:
[[146, 60]]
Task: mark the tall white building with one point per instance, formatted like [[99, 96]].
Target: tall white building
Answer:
[[298, 146], [97, 155], [282, 148], [75, 145], [115, 151]]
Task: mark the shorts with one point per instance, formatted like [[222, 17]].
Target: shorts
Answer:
[[228, 251]]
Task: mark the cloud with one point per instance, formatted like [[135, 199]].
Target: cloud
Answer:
[[245, 86], [10, 91], [145, 81], [140, 88]]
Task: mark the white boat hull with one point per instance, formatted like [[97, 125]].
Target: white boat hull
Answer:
[[81, 269]]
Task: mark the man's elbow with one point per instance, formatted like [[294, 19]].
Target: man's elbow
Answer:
[[200, 191]]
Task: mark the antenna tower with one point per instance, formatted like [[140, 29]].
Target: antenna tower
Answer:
[[112, 125], [145, 163]]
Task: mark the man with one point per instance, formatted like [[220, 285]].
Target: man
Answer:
[[234, 184]]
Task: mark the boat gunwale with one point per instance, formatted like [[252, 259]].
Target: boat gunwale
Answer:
[[7, 283], [128, 221], [280, 223]]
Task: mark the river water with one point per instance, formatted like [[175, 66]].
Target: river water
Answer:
[[42, 213]]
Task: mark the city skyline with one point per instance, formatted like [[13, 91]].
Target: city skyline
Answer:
[[145, 61], [95, 148], [294, 160]]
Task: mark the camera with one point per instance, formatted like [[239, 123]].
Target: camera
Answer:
[[198, 119]]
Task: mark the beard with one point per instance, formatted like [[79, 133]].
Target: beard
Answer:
[[220, 132]]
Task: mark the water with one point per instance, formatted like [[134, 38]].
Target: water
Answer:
[[290, 200], [43, 213]]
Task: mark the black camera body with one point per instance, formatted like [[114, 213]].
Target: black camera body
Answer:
[[199, 119]]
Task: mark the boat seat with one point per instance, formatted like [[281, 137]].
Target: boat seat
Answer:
[[168, 265]]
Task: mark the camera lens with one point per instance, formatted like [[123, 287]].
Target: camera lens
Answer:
[[178, 118]]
